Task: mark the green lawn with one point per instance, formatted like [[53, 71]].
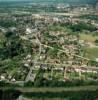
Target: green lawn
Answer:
[[88, 37], [92, 53], [2, 39]]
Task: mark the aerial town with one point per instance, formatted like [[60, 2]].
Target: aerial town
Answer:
[[48, 45]]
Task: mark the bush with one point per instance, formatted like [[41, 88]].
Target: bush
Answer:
[[29, 84]]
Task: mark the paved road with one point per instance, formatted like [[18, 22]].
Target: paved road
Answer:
[[30, 75]]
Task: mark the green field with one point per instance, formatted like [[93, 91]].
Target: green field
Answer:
[[77, 93], [92, 53], [88, 37]]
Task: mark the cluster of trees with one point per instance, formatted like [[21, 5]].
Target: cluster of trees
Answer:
[[91, 17], [94, 63], [96, 41], [11, 46], [7, 23], [65, 95], [11, 52], [9, 94], [71, 28], [82, 26]]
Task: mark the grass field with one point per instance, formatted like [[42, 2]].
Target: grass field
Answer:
[[52, 89], [88, 37], [50, 93], [92, 53], [81, 93]]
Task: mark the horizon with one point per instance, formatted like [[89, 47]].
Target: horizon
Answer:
[[56, 1]]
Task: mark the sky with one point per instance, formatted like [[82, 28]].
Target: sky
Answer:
[[15, 0]]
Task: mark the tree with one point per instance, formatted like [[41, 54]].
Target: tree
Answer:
[[12, 46], [96, 41], [39, 78]]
